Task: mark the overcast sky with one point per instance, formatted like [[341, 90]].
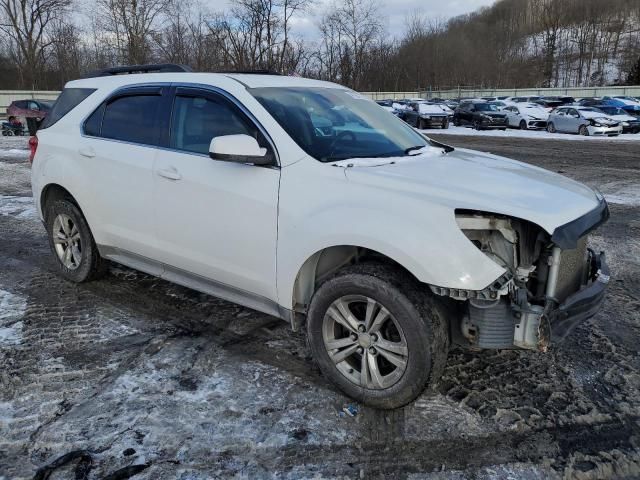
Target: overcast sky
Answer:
[[394, 12]]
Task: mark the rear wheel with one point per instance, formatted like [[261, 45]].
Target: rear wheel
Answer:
[[72, 243], [583, 130], [377, 334]]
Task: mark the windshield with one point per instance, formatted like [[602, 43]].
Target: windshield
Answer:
[[334, 124], [427, 108], [486, 107]]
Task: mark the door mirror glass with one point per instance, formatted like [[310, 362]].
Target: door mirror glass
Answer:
[[239, 148]]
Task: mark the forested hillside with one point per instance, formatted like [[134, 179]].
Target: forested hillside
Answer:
[[514, 43]]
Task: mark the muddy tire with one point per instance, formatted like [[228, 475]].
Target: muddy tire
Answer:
[[583, 130], [74, 249], [551, 128], [378, 334]]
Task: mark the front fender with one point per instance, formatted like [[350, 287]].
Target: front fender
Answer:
[[320, 208]]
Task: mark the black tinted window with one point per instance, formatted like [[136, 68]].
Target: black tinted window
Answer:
[[132, 119], [93, 124], [197, 120], [67, 101]]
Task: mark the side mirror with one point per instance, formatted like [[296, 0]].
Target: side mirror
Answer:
[[240, 149]]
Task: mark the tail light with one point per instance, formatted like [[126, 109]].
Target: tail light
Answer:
[[33, 146]]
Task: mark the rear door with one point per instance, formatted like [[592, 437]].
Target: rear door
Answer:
[[119, 145], [216, 221]]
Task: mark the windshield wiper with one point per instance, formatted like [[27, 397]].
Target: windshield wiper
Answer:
[[407, 151]]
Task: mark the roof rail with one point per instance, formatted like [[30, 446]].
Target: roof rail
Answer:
[[128, 69], [251, 72]]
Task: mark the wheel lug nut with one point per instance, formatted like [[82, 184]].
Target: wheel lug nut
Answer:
[[360, 350], [353, 337], [361, 328], [372, 351], [374, 337]]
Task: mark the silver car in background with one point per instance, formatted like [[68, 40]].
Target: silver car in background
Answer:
[[583, 120]]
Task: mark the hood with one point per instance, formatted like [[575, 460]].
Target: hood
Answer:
[[493, 114], [466, 179], [624, 118]]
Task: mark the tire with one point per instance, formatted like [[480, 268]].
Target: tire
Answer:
[[477, 125], [523, 125], [583, 130], [445, 125], [416, 323], [456, 122], [420, 124], [551, 128], [83, 263], [9, 133]]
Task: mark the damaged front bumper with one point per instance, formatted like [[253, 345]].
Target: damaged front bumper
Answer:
[[583, 304]]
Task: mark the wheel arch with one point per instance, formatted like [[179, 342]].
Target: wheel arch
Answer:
[[52, 192], [322, 264]]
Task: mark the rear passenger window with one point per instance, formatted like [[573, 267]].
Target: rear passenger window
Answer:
[[132, 119], [197, 120], [67, 101]]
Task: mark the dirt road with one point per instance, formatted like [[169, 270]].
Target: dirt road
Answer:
[[141, 372]]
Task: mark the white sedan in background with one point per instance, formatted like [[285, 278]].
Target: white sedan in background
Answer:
[[526, 116]]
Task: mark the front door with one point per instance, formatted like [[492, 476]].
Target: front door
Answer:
[[216, 221]]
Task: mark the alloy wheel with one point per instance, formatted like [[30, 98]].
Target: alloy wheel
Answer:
[[365, 342], [67, 241]]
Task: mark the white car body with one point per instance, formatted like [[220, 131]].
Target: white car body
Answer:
[[529, 115], [572, 119], [260, 236]]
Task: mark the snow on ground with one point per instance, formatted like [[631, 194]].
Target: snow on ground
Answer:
[[622, 193], [19, 207], [533, 134], [12, 307], [14, 147]]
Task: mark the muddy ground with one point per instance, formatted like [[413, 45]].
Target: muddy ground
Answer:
[[140, 372]]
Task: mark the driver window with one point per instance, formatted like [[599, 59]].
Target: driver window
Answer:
[[195, 121]]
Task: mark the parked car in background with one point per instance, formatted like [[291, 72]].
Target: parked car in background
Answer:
[[388, 105], [528, 99], [526, 116], [583, 120], [37, 109], [589, 101], [630, 106], [499, 103], [480, 115], [426, 115], [563, 100], [549, 105], [630, 124]]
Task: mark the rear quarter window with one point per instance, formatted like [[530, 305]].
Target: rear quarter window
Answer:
[[67, 101]]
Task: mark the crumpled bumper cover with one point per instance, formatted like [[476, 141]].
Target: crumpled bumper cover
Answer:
[[583, 304]]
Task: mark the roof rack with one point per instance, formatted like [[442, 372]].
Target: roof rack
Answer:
[[251, 72], [129, 69]]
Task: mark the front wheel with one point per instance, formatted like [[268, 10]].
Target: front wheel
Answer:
[[551, 128], [377, 334], [75, 251], [477, 125], [583, 130], [523, 125], [445, 125]]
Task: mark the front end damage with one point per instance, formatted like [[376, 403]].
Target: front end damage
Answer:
[[551, 282]]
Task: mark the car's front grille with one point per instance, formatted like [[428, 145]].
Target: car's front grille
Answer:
[[572, 270]]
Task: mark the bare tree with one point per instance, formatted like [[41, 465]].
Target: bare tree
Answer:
[[27, 23]]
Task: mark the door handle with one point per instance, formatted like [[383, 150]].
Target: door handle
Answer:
[[87, 152], [170, 173]]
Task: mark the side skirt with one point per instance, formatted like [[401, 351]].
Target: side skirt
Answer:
[[196, 282]]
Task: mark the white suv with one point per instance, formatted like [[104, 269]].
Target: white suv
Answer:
[[307, 201]]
